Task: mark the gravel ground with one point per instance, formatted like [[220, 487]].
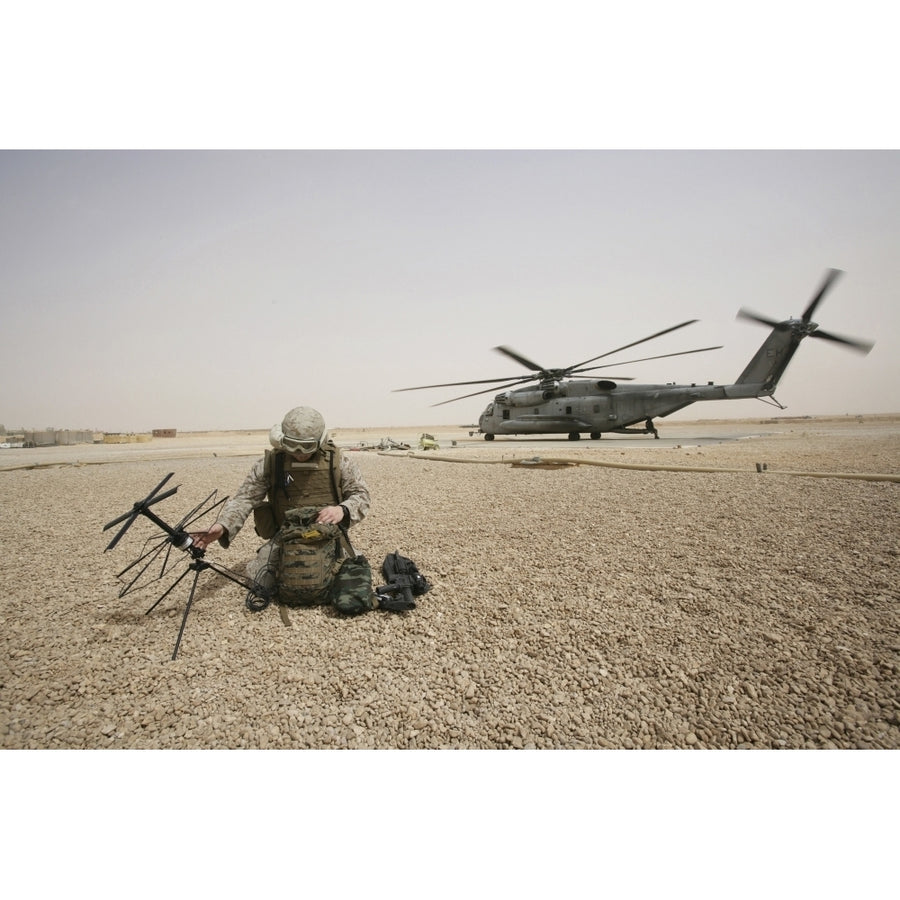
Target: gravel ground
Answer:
[[578, 606]]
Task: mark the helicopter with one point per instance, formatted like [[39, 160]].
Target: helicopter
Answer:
[[568, 401]]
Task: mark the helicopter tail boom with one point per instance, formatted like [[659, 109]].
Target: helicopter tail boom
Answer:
[[772, 358]]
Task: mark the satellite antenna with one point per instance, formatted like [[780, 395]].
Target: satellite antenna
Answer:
[[176, 536]]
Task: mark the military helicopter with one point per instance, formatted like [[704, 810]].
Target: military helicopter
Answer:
[[568, 401]]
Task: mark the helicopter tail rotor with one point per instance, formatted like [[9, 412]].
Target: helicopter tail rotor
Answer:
[[804, 326], [830, 277], [744, 313], [853, 343], [772, 358]]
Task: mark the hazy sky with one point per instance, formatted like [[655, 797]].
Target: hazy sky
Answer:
[[217, 289]]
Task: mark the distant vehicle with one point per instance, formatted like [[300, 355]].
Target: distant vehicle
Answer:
[[568, 401], [427, 442]]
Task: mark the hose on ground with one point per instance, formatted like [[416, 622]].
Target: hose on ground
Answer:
[[643, 467]]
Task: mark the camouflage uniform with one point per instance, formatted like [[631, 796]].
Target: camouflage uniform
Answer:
[[255, 488], [254, 493]]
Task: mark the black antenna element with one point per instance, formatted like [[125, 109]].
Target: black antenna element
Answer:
[[176, 537]]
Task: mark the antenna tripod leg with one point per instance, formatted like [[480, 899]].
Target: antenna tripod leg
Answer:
[[187, 609]]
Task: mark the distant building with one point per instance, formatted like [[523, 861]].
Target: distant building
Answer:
[[74, 437], [130, 438], [164, 432], [51, 437]]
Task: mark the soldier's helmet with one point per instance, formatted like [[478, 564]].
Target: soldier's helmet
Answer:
[[302, 430]]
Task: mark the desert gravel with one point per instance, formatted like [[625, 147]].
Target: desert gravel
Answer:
[[576, 606]]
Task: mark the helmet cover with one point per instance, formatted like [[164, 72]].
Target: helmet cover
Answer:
[[301, 431]]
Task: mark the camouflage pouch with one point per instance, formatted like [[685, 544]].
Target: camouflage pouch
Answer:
[[352, 589], [309, 559], [264, 521]]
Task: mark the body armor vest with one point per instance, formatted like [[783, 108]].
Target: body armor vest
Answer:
[[293, 484], [309, 553]]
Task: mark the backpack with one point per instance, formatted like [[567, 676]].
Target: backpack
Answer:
[[311, 571], [309, 558]]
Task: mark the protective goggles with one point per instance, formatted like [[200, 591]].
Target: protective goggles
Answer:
[[300, 446]]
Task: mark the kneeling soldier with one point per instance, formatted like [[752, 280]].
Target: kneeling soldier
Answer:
[[304, 494]]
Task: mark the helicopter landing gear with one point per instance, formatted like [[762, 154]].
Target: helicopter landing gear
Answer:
[[596, 435], [651, 428], [488, 437], [574, 436]]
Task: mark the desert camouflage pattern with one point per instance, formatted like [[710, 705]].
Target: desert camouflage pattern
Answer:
[[253, 492], [308, 561], [352, 588], [294, 484]]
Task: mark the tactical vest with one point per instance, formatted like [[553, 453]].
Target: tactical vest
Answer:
[[309, 554], [292, 485]]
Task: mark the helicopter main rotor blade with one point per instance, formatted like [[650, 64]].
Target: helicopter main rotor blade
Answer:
[[522, 360], [854, 344], [628, 362], [423, 387], [632, 344], [499, 387], [831, 276]]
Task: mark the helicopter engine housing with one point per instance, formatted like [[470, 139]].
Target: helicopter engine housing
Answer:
[[547, 391]]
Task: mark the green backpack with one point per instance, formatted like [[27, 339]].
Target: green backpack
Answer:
[[308, 559], [311, 571]]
